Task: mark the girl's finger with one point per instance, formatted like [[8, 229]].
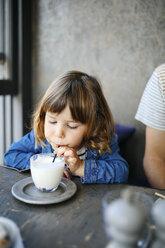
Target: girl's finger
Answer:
[[70, 153], [60, 151], [71, 160]]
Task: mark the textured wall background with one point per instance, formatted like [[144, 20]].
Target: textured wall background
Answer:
[[119, 41]]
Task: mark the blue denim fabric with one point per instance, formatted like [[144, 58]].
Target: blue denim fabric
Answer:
[[107, 168]]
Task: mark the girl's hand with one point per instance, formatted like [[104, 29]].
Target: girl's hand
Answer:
[[76, 165]]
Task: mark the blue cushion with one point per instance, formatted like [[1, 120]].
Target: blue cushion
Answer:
[[124, 133]]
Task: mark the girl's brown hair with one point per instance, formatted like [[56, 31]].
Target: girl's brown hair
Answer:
[[87, 104]]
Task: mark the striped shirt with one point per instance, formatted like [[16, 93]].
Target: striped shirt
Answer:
[[151, 109]]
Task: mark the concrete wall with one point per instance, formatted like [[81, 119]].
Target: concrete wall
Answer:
[[119, 41]]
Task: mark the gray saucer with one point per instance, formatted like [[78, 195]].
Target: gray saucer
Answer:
[[25, 190]]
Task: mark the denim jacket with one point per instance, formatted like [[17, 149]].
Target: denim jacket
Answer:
[[107, 168]]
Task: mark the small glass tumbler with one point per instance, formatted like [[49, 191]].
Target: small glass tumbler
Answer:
[[46, 174]]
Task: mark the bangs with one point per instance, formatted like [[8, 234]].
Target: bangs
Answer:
[[80, 102], [55, 105], [73, 93]]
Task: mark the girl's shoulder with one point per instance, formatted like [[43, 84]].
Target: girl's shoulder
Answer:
[[113, 146], [28, 140], [113, 139], [31, 137]]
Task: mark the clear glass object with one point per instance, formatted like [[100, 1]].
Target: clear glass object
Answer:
[[45, 173], [143, 200]]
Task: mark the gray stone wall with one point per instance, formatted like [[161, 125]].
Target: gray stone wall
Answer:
[[119, 41]]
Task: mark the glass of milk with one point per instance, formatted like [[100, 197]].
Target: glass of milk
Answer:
[[46, 174]]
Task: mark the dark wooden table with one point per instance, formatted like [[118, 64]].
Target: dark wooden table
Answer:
[[75, 223]]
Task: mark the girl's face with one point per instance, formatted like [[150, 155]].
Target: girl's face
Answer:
[[61, 130]]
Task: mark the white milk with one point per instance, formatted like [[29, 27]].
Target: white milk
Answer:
[[46, 175]]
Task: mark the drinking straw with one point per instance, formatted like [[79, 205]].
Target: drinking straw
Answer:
[[55, 155]]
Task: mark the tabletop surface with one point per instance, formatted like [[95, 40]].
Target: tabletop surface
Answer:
[[76, 222]]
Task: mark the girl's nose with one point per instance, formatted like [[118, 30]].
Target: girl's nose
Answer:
[[60, 131]]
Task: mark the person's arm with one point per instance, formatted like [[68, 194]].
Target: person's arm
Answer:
[[109, 168], [18, 155], [154, 157]]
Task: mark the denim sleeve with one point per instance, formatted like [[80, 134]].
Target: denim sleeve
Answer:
[[109, 168], [18, 155]]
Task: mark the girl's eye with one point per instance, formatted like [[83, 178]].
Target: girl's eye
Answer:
[[72, 127], [52, 122]]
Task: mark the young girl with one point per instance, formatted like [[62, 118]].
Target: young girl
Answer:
[[73, 120]]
